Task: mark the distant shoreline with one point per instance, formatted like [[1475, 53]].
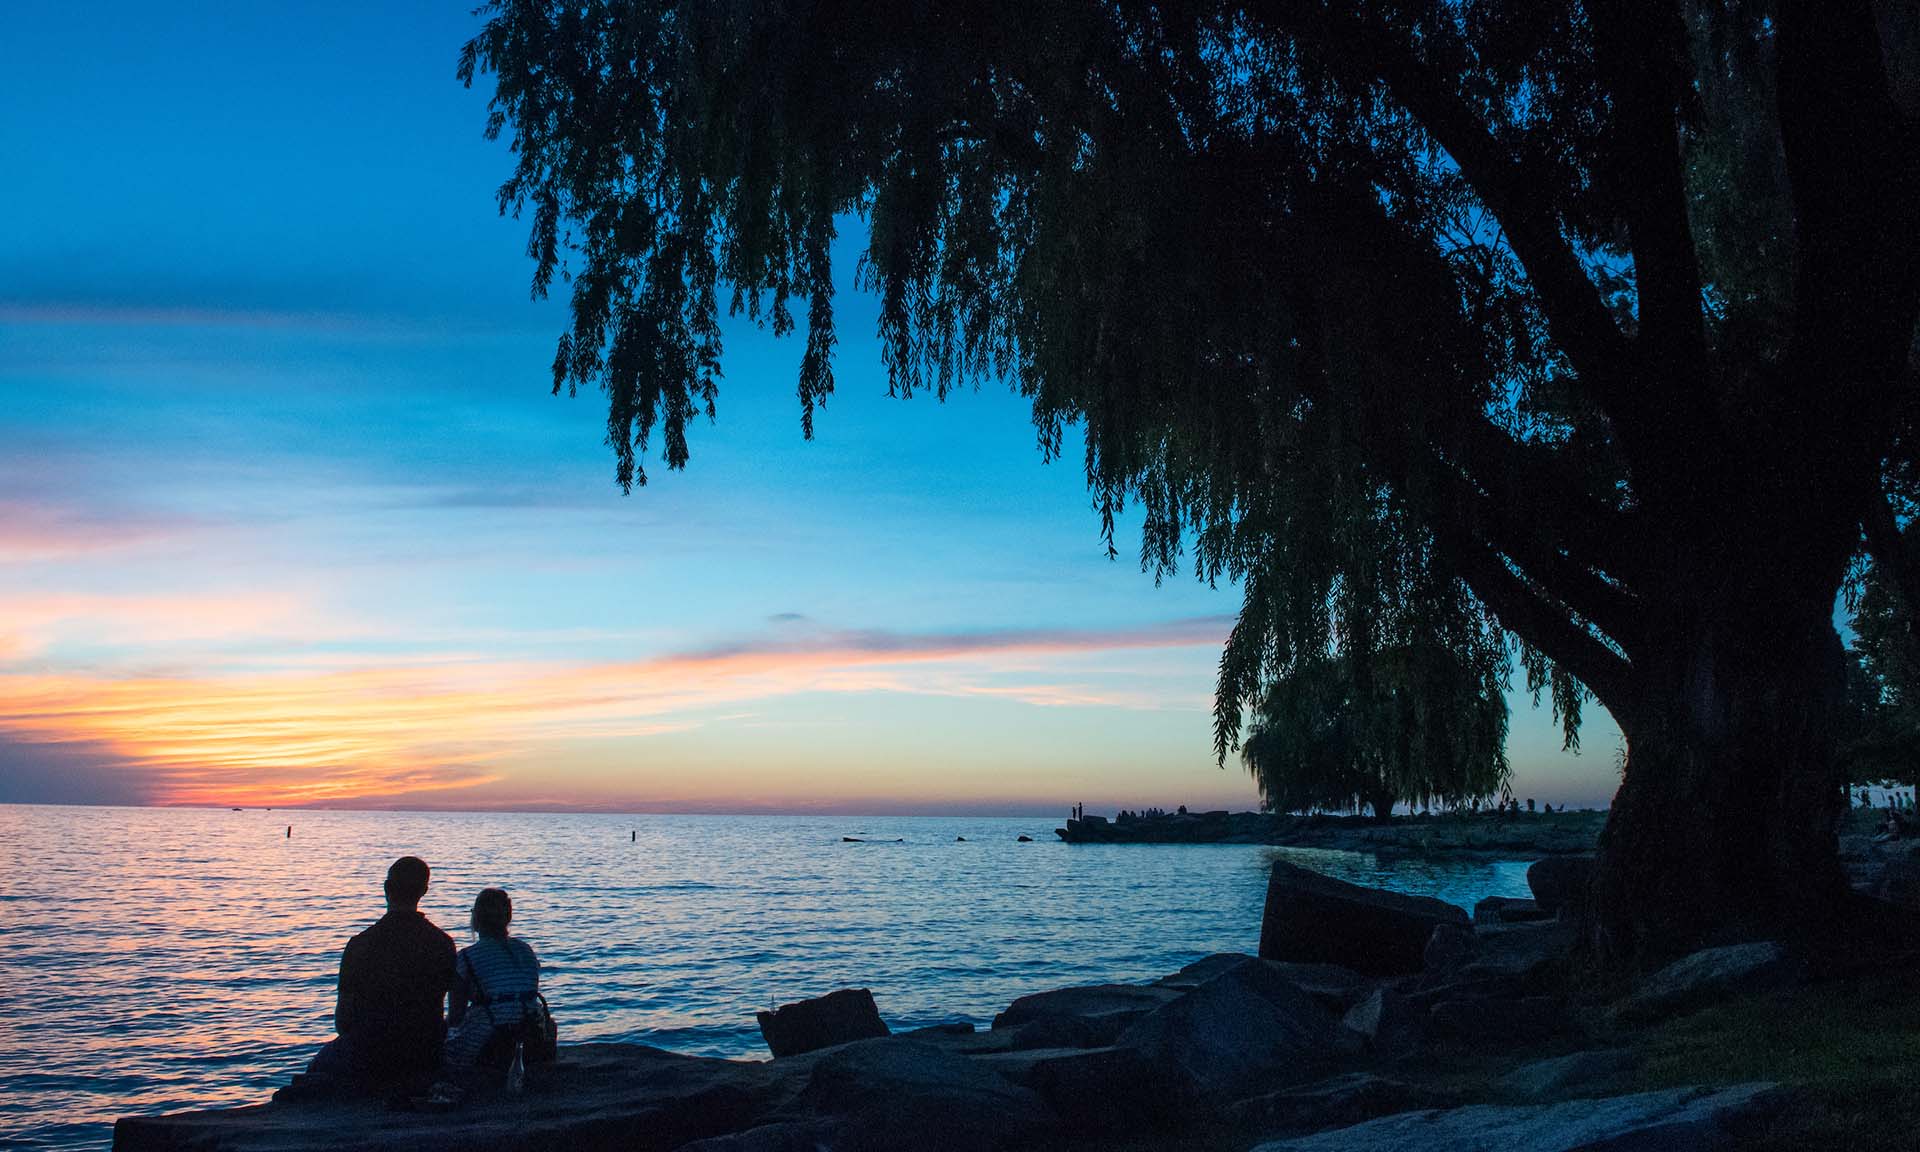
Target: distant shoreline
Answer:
[[1489, 834]]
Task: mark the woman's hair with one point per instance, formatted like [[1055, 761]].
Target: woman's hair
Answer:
[[492, 912]]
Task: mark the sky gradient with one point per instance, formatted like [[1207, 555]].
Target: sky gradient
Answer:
[[287, 515]]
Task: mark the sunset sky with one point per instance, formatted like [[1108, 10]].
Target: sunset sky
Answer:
[[287, 515]]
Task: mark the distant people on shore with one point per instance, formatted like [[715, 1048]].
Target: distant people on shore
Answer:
[[495, 991], [394, 977]]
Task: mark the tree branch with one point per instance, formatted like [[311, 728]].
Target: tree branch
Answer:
[[1643, 55], [1369, 52], [1514, 533], [1529, 480], [1541, 622]]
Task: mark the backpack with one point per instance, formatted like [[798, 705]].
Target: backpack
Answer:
[[536, 1032]]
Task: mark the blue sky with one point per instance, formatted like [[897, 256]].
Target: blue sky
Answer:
[[288, 515]]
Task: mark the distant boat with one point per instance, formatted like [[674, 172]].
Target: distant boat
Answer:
[[239, 809]]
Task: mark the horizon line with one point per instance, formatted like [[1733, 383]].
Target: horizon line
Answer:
[[578, 810]]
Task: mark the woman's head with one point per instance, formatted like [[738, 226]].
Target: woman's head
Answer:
[[492, 912]]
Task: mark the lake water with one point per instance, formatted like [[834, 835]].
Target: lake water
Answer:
[[160, 959]]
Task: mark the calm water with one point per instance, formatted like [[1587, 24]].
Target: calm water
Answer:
[[156, 959]]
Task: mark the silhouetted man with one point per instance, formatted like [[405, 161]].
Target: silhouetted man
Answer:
[[394, 977]]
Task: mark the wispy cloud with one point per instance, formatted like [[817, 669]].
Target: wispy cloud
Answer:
[[387, 729], [31, 625], [90, 314], [34, 530]]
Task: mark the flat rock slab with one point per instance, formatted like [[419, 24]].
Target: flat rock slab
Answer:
[[1342, 1100], [1672, 1120], [1312, 918], [1705, 977], [1567, 1076], [597, 1096]]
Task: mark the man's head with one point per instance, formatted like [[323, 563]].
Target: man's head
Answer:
[[407, 882]]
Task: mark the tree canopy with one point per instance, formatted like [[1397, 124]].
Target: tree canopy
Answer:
[[1602, 310]]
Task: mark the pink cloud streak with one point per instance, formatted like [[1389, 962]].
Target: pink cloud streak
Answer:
[[380, 730]]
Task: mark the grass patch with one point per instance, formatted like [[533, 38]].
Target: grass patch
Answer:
[[1850, 1048]]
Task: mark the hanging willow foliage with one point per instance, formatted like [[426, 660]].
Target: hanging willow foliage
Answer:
[[1182, 233]]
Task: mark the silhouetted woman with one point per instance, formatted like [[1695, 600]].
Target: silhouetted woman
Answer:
[[495, 979]]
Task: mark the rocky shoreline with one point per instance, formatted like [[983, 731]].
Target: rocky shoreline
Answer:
[[1370, 1021], [1524, 835]]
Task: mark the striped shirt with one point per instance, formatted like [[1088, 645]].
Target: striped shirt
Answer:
[[497, 973], [494, 976]]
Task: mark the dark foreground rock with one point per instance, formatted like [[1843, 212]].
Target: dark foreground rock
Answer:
[[807, 1025], [1336, 988], [1313, 918], [1578, 1074], [1339, 1100], [1674, 1120], [597, 1096], [1231, 1051], [1093, 1016], [1387, 1023], [1559, 882], [1707, 976], [1245, 1027]]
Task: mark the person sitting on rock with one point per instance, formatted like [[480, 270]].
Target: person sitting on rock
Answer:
[[497, 978], [393, 977]]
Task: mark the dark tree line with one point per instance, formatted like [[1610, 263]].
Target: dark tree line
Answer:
[[1592, 320]]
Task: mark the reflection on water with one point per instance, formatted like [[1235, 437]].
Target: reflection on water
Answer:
[[155, 959]]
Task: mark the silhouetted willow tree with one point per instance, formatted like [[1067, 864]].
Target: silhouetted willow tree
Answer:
[[1414, 724], [1411, 707], [1608, 306]]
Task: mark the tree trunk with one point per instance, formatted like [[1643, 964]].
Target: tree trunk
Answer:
[[1725, 824]]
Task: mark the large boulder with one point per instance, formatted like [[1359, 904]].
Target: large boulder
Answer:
[[1336, 988], [836, 1018], [1387, 1022], [1312, 918], [1525, 955], [897, 1093], [1560, 882], [1092, 1016], [1498, 1020], [1448, 948], [1672, 1120], [1247, 1026], [1707, 976], [1107, 1090]]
